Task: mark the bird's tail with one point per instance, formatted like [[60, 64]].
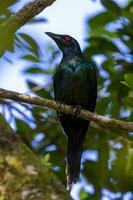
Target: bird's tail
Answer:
[[74, 153]]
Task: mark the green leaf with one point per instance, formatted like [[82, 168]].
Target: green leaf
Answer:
[[45, 159], [129, 5], [34, 70], [42, 93], [128, 101], [99, 41], [124, 83], [31, 84], [30, 58], [97, 24], [100, 45], [33, 45], [129, 80], [83, 194], [129, 167], [39, 70], [5, 4], [25, 131], [112, 6], [128, 13], [56, 157], [101, 19], [98, 31]]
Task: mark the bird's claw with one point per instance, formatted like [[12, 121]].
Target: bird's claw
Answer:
[[77, 109], [60, 103]]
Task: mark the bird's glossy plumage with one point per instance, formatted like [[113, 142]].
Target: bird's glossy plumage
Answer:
[[75, 84]]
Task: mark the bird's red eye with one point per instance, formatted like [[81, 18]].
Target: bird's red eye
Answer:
[[67, 38]]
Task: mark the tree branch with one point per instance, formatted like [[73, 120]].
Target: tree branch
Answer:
[[26, 13], [22, 177], [14, 22], [86, 115]]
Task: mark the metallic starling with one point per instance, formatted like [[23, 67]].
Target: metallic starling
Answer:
[[75, 84]]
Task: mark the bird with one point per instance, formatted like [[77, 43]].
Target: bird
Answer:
[[75, 84]]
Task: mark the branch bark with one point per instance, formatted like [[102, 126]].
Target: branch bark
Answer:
[[22, 174], [25, 14], [84, 114]]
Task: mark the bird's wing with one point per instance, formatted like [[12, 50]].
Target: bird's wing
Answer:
[[57, 83], [93, 86]]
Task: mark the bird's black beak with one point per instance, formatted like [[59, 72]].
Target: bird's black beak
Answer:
[[57, 38], [54, 36]]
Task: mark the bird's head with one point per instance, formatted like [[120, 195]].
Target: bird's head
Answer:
[[68, 45]]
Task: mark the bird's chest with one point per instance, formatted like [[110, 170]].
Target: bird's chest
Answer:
[[73, 85], [73, 78]]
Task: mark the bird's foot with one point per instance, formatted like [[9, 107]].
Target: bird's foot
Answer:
[[60, 103], [77, 109]]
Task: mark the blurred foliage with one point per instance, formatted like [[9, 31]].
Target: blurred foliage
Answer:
[[108, 162], [5, 13], [7, 30]]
